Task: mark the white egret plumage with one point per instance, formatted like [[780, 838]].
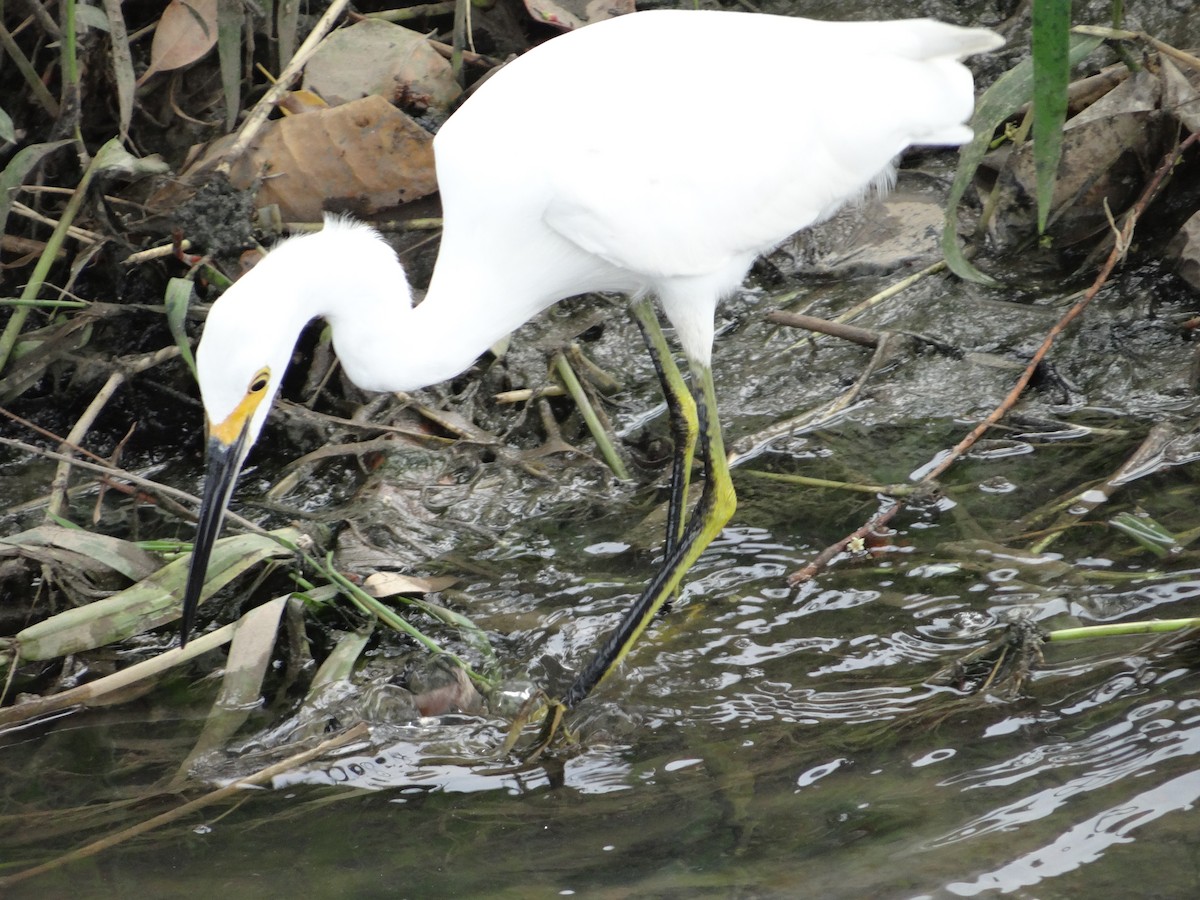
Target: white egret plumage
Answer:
[[655, 154]]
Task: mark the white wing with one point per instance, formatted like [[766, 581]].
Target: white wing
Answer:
[[672, 142]]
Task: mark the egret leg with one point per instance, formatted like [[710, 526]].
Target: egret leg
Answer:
[[681, 410], [715, 508]]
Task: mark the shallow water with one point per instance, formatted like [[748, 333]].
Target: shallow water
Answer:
[[761, 741]]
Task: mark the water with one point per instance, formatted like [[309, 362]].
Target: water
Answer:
[[762, 741]]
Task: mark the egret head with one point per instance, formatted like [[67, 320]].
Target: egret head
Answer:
[[247, 344], [345, 270], [248, 340]]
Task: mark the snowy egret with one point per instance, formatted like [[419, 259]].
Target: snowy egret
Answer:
[[656, 154]]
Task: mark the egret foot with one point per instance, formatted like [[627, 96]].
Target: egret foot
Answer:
[[551, 712]]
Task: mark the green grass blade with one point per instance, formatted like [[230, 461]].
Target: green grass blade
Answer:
[[103, 158], [176, 300], [230, 18], [599, 434], [1122, 629], [152, 602], [1010, 92], [339, 664], [1051, 74], [1148, 534]]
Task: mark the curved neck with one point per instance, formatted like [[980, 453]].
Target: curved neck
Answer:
[[385, 344], [349, 276]]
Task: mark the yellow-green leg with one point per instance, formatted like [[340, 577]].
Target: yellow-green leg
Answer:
[[715, 508], [681, 411]]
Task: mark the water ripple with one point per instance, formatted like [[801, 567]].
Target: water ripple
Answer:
[[1136, 746]]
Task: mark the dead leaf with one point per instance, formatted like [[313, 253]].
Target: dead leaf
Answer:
[[440, 687], [1108, 152], [361, 157], [295, 103], [388, 584], [185, 33], [242, 681], [377, 57], [1184, 251], [571, 14], [100, 551], [1180, 95]]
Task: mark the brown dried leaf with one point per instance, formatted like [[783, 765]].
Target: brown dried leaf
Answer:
[[360, 157], [377, 57], [185, 33], [1108, 151], [1184, 251], [572, 14], [1181, 97], [295, 103], [388, 584], [442, 688]]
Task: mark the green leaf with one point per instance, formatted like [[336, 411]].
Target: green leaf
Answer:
[[1051, 74], [1011, 91], [151, 602], [7, 131], [339, 664], [176, 300], [1147, 533], [14, 173], [230, 17]]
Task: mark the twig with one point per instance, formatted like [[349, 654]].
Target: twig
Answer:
[[811, 419], [892, 490], [150, 253], [1117, 34], [1118, 252], [891, 291], [79, 234], [62, 474], [524, 395], [413, 12], [851, 333]]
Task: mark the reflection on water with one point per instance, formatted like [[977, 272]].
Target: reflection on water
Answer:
[[1104, 787]]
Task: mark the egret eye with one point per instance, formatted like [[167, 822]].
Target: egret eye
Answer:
[[260, 382]]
